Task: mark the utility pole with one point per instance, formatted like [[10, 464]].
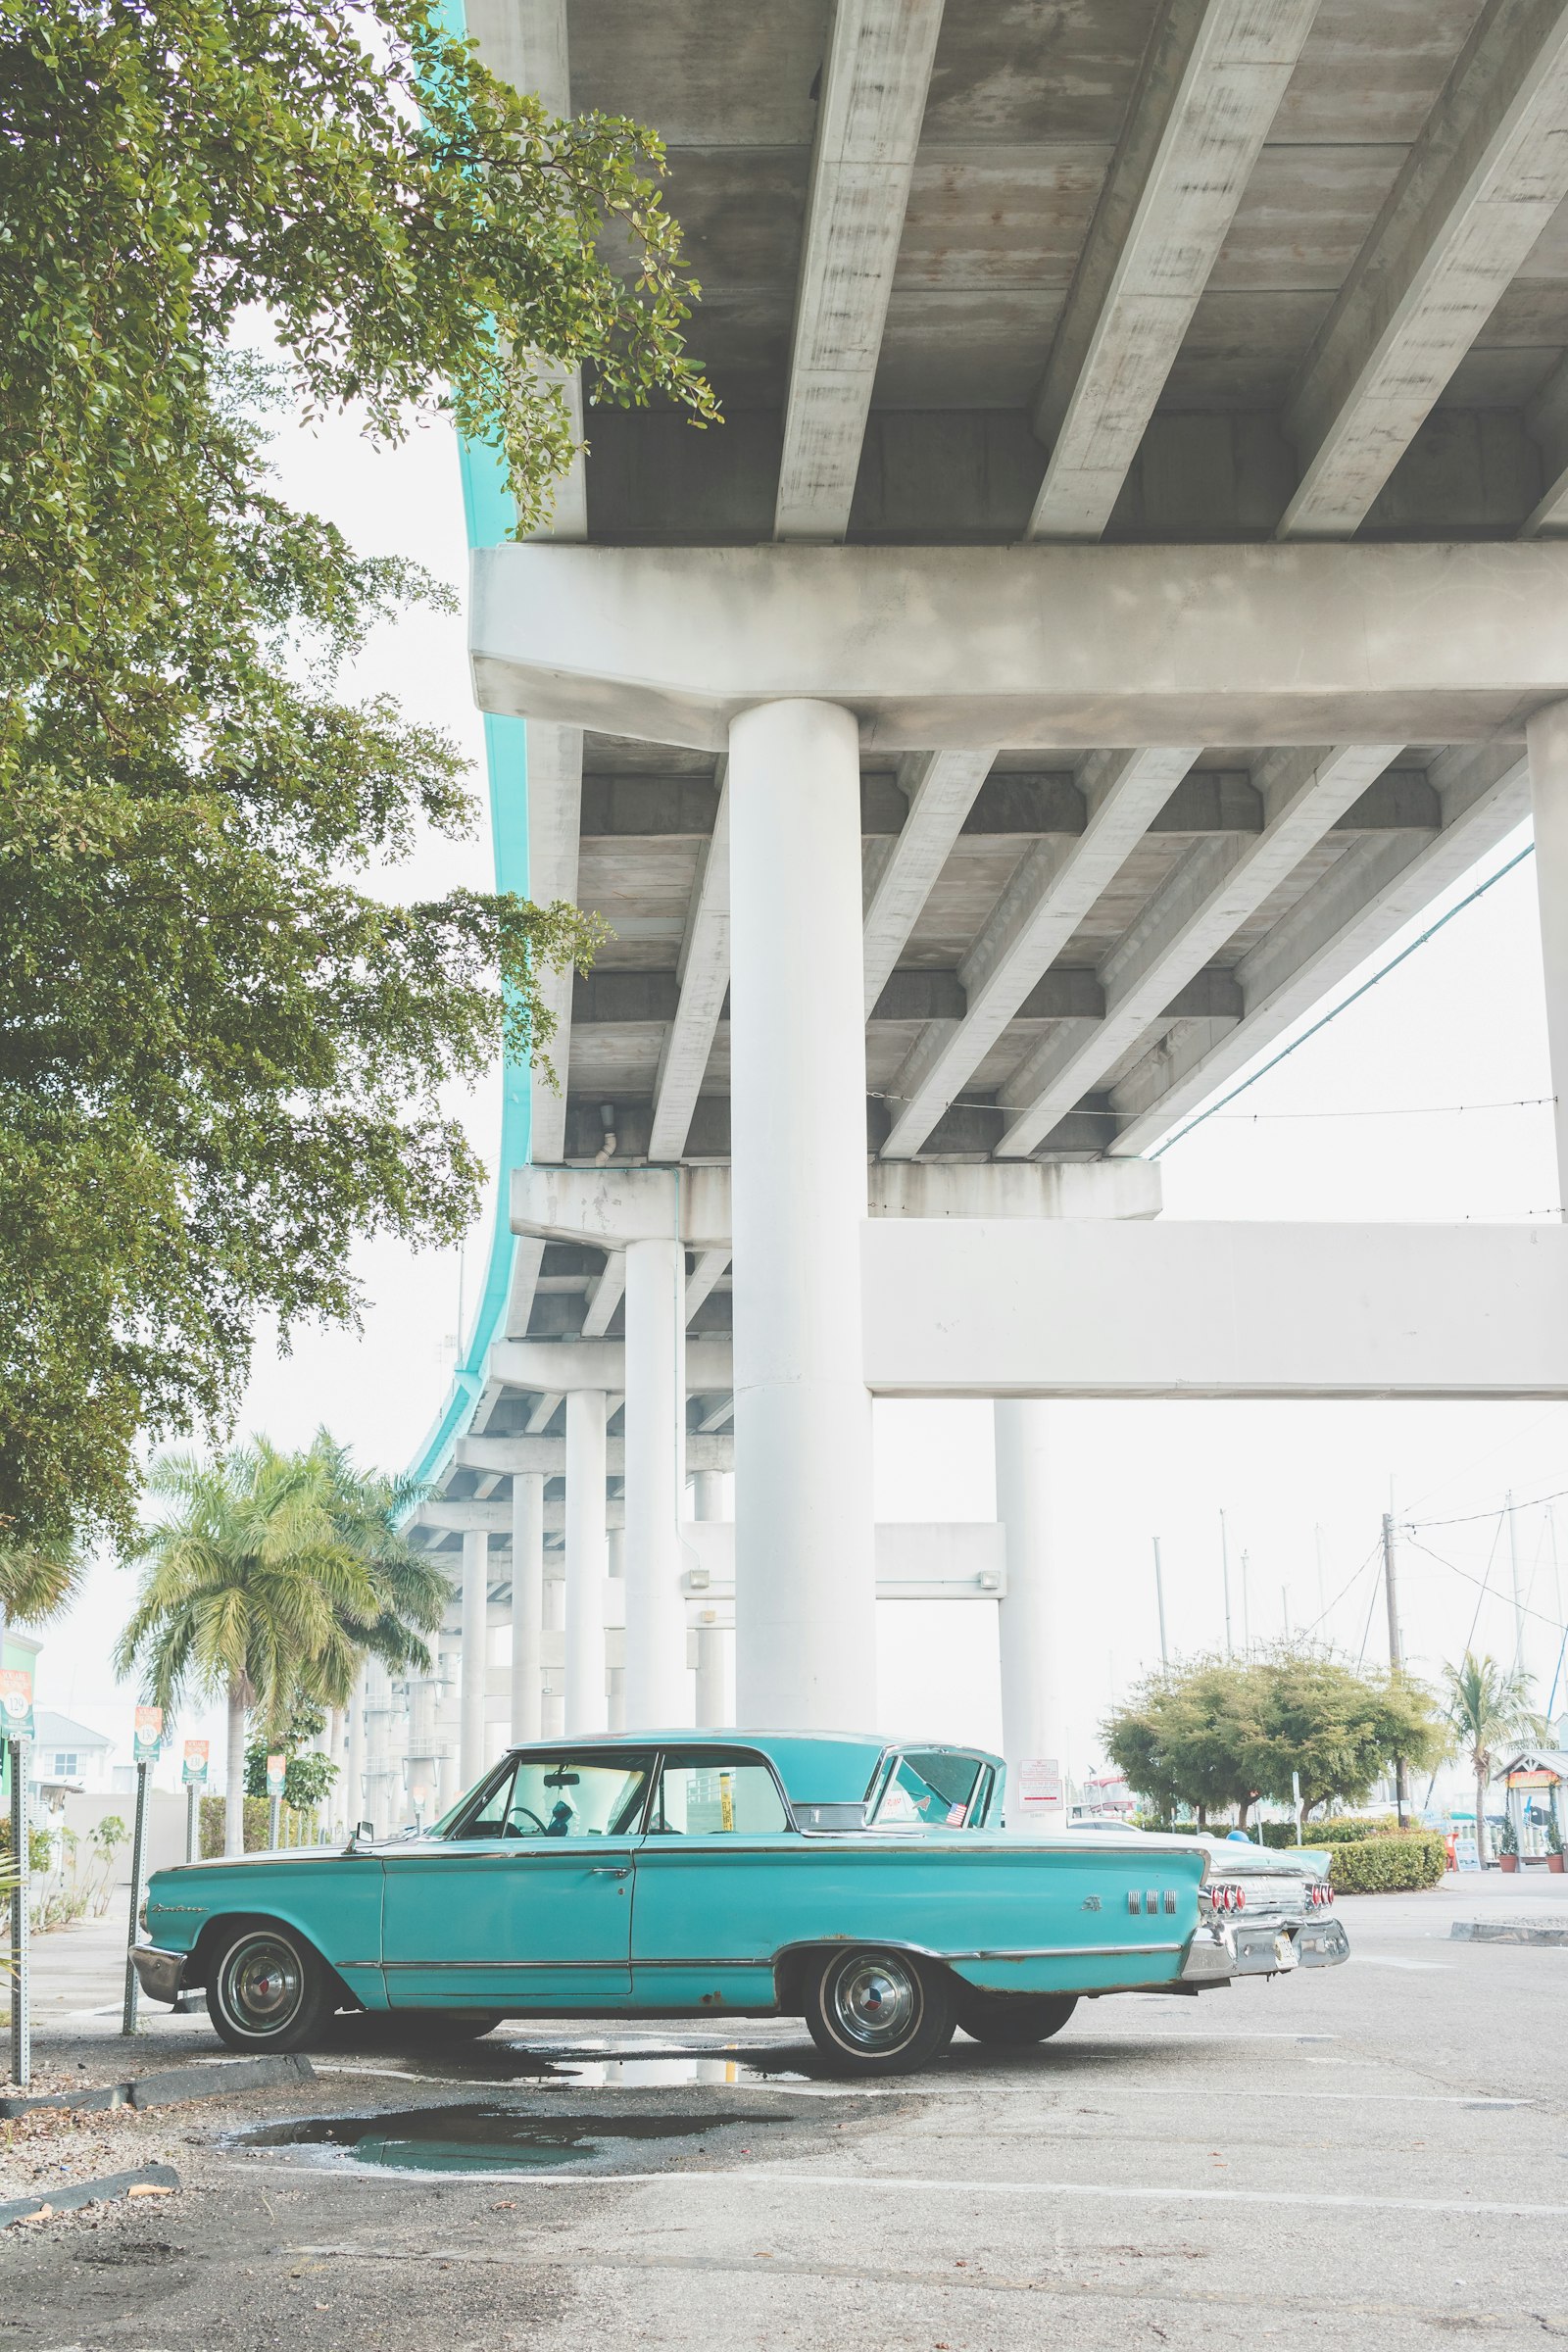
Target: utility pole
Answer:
[[1391, 1590], [1159, 1595], [1285, 1608], [1518, 1592], [1322, 1604], [1247, 1608], [1225, 1569]]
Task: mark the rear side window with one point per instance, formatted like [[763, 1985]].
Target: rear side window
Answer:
[[704, 1796], [930, 1789]]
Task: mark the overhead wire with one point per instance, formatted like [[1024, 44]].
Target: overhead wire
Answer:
[[1354, 998]]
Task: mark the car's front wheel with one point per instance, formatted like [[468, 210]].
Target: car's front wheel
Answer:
[[268, 1990], [1015, 2018], [876, 2012]]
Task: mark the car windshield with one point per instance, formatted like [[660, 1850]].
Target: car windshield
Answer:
[[558, 1795]]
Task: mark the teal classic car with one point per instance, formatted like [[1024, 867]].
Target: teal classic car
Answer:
[[865, 1887]]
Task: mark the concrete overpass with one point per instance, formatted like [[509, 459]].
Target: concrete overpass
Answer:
[[1123, 593]]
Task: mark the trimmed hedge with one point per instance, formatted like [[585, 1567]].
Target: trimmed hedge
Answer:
[[1409, 1860], [1334, 1829]]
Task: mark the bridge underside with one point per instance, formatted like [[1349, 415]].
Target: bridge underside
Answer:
[[973, 751]]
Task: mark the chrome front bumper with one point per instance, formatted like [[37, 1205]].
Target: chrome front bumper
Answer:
[[1220, 1951], [160, 1973]]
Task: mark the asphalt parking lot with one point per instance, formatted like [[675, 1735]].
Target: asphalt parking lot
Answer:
[[1374, 2155]]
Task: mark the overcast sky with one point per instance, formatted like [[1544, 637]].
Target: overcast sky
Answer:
[[1357, 1125]]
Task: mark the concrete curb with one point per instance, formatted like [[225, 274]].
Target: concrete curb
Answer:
[[89, 2192], [173, 2087], [1505, 1931]]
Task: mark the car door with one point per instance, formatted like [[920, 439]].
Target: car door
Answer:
[[717, 1878], [521, 1899]]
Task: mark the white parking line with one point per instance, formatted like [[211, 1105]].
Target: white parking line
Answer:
[[1122, 2191]]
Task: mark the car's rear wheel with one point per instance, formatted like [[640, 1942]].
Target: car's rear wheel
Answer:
[[268, 1990], [1015, 2016], [876, 2012]]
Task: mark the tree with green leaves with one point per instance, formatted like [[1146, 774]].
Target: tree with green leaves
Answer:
[[408, 1592], [1193, 1734], [221, 1052], [245, 1588], [1335, 1729], [1486, 1705]]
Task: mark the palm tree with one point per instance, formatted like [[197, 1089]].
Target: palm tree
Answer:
[[37, 1579], [1486, 1704], [410, 1592], [246, 1592]]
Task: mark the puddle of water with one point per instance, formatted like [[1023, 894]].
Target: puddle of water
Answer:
[[473, 2136]]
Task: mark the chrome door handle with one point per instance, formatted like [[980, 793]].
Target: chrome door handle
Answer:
[[603, 1869]]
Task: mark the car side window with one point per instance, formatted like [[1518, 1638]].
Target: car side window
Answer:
[[700, 1794], [563, 1795], [929, 1790]]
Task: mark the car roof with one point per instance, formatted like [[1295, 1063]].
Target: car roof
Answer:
[[817, 1768]]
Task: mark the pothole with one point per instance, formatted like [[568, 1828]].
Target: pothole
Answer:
[[477, 2136]]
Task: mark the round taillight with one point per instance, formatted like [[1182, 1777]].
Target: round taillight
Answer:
[[1241, 1898]]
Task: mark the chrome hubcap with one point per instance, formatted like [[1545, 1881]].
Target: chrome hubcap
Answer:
[[263, 1984], [874, 2003]]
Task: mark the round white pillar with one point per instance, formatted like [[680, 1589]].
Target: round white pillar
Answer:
[[1028, 1621], [553, 1701], [587, 1563], [657, 1686], [710, 1495], [527, 1601], [805, 1565], [353, 1790], [475, 1606], [1547, 736], [715, 1641]]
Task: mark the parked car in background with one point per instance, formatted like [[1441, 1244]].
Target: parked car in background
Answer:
[[865, 1886]]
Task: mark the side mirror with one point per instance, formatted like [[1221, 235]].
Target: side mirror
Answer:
[[364, 1834]]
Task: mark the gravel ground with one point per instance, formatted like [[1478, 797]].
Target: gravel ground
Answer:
[[1374, 2155]]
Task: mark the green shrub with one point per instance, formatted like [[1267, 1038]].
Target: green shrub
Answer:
[[257, 1816], [1408, 1860], [1334, 1829]]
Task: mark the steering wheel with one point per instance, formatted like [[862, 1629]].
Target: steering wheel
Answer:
[[513, 1810]]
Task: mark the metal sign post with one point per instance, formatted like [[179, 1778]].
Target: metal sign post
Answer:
[[22, 1857], [148, 1741], [193, 1772], [276, 1776]]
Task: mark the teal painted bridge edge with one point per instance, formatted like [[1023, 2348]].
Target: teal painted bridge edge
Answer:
[[490, 517]]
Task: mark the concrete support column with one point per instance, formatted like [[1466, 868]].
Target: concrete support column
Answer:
[[528, 1602], [424, 1778], [475, 1612], [1547, 736], [658, 1689], [378, 1777], [1028, 1618], [716, 1642], [805, 1562], [587, 1563], [552, 1704], [353, 1787]]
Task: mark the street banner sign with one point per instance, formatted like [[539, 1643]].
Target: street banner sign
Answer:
[[149, 1735], [277, 1775], [16, 1702], [193, 1770]]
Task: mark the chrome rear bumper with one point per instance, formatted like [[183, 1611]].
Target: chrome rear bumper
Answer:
[[160, 1971], [1220, 1951]]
